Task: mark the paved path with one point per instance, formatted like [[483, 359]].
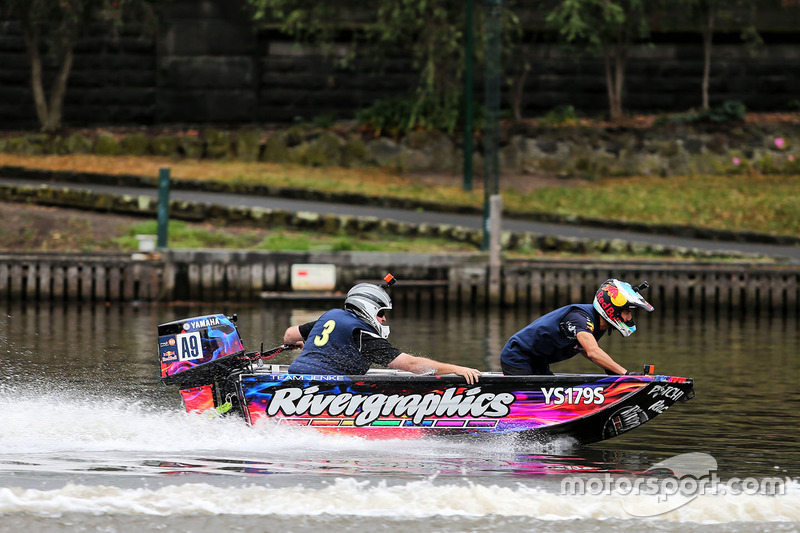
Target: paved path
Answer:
[[790, 253]]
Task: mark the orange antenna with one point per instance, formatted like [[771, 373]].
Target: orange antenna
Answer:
[[390, 280]]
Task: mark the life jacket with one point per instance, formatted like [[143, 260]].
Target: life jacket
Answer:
[[543, 341], [332, 348]]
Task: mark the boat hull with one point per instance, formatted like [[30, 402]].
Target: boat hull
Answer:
[[584, 408], [204, 357]]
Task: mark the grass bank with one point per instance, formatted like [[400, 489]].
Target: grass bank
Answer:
[[753, 203], [742, 202]]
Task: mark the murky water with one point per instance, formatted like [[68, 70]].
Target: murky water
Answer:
[[90, 440]]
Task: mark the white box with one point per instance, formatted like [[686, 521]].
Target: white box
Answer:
[[313, 277], [147, 243]]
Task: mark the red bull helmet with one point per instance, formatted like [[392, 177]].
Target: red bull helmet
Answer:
[[615, 296]]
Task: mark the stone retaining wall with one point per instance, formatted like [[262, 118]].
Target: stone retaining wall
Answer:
[[567, 151]]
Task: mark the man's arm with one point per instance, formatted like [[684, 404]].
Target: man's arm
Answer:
[[297, 334], [423, 365], [292, 336], [598, 356]]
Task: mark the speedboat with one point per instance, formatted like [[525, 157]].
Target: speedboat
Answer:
[[204, 358]]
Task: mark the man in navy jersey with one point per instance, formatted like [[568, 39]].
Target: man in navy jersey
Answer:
[[574, 329], [348, 341]]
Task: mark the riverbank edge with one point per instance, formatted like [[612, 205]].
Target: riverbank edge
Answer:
[[129, 180], [428, 280]]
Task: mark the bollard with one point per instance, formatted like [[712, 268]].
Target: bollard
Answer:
[[495, 259], [163, 206]]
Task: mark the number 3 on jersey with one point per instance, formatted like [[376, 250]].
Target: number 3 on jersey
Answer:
[[322, 340]]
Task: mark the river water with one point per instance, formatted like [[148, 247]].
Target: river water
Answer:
[[90, 441]]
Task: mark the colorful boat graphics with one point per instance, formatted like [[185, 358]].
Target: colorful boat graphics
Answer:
[[189, 349], [591, 407], [394, 404]]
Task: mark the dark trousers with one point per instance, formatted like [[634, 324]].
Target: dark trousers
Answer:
[[532, 369]]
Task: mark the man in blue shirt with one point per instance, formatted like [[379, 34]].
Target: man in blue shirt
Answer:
[[348, 341], [574, 329]]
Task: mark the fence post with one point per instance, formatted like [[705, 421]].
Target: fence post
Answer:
[[495, 214], [163, 206]]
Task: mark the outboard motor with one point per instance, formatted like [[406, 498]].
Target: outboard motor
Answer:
[[196, 354]]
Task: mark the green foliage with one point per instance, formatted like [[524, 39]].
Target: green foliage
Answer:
[[135, 144], [107, 145], [390, 116], [727, 112], [165, 145], [595, 25], [429, 32], [310, 21], [434, 32], [563, 115], [604, 28], [324, 121], [398, 116]]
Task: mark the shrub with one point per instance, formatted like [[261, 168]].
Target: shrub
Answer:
[[135, 144], [727, 111], [398, 116], [563, 115], [106, 145]]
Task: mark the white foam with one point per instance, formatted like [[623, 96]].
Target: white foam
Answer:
[[58, 422], [59, 432], [419, 499]]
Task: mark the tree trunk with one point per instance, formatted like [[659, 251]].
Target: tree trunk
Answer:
[[39, 100], [708, 35], [518, 92], [619, 85], [48, 113], [57, 92], [614, 80]]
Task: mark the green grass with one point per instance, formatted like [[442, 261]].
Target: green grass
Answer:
[[186, 236], [762, 204], [183, 235], [742, 202]]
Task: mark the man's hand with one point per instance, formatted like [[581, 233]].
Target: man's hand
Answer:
[[470, 374], [424, 365], [292, 336]]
